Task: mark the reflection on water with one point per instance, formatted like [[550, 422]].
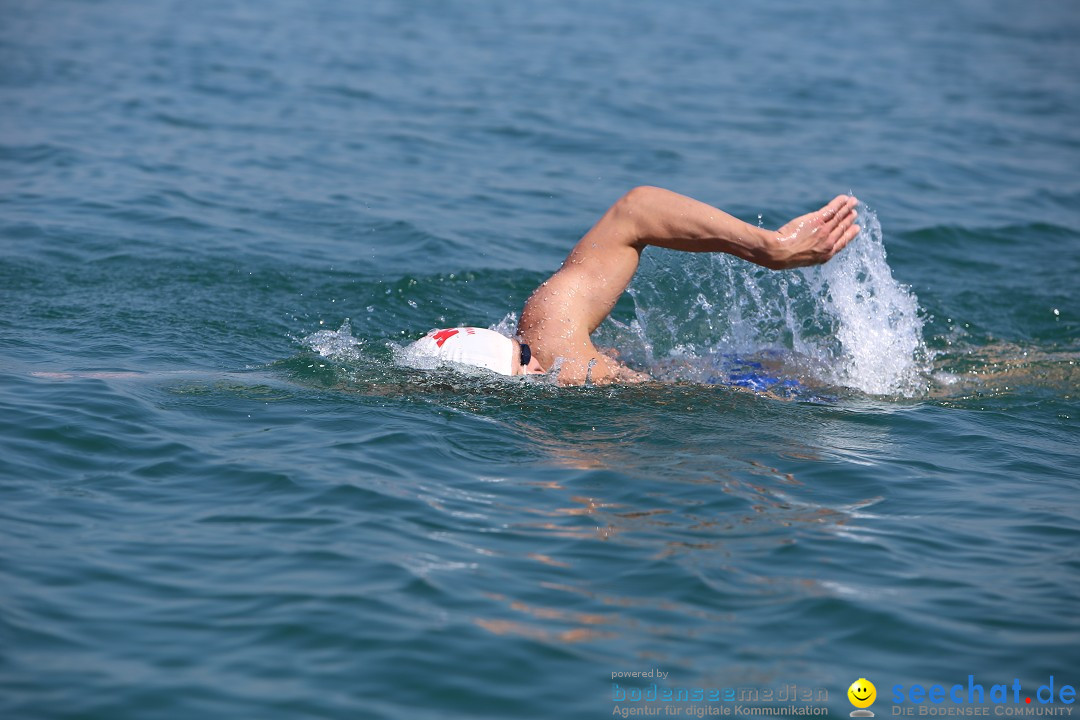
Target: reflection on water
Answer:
[[1004, 368], [702, 521]]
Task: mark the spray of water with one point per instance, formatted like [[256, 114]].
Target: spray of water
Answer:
[[338, 345], [847, 323], [876, 320]]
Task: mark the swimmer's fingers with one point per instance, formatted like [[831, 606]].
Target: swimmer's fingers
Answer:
[[832, 209], [842, 225], [850, 233], [814, 238], [844, 214], [837, 208], [839, 216]]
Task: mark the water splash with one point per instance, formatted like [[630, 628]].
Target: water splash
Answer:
[[338, 345], [847, 323], [507, 326], [876, 320]]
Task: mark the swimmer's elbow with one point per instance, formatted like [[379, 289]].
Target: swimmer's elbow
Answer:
[[635, 200], [632, 209], [639, 195]]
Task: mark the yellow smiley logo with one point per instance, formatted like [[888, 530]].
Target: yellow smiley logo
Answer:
[[862, 693]]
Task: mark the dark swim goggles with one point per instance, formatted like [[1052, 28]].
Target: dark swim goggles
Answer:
[[526, 354]]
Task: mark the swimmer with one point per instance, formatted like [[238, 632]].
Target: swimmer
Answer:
[[560, 316]]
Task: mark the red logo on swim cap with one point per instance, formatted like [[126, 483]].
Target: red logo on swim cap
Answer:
[[442, 336]]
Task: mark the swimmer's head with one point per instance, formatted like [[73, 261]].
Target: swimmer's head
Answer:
[[480, 348]]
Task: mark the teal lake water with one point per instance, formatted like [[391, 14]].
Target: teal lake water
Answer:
[[223, 495]]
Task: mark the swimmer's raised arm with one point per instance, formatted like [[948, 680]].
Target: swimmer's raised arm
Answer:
[[654, 216], [562, 313]]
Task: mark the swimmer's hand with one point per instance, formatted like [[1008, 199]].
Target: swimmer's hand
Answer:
[[815, 237]]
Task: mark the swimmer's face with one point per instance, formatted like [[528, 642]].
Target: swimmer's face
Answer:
[[533, 368]]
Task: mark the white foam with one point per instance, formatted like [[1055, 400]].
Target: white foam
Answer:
[[876, 319], [339, 345]]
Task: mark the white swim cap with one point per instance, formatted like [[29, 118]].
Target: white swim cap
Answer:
[[469, 346]]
